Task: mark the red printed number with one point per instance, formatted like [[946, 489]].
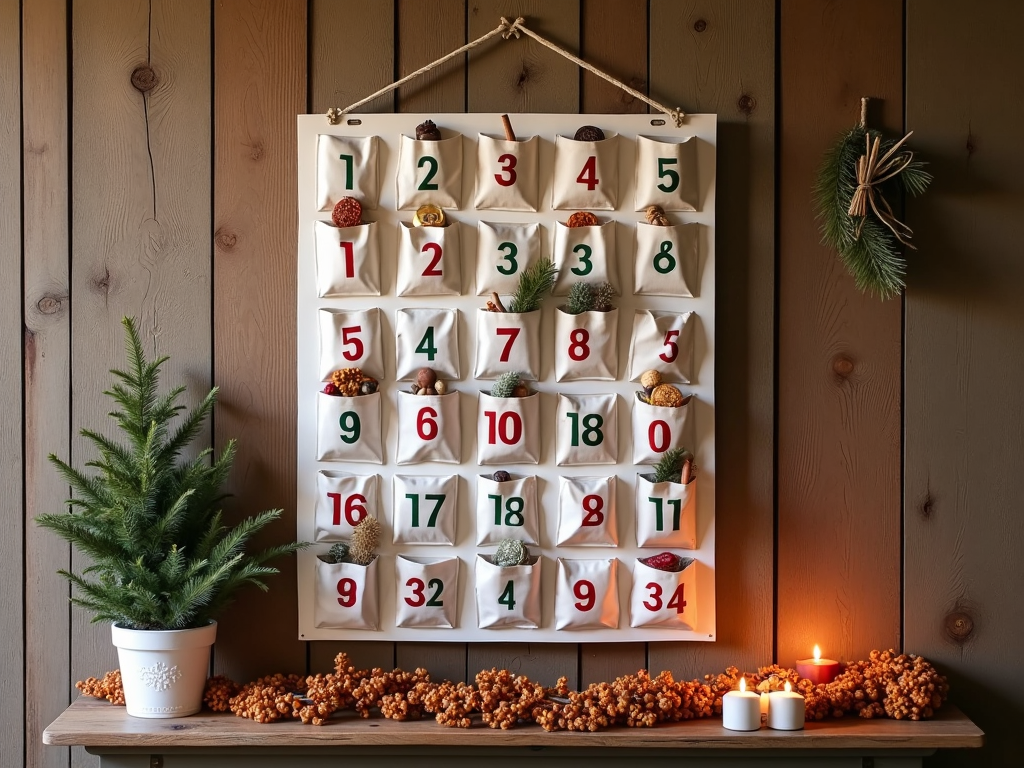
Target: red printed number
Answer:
[[659, 436], [512, 334], [432, 270], [588, 175], [508, 166], [673, 353], [350, 339], [354, 509], [508, 427], [592, 505], [350, 267], [578, 341], [426, 427], [347, 590], [585, 594], [654, 603]]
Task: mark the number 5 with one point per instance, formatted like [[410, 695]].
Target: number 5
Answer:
[[348, 338], [673, 353], [664, 172]]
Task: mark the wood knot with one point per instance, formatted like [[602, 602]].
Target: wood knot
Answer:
[[959, 626], [927, 507], [746, 104], [144, 78], [50, 304], [843, 366], [524, 77], [225, 240], [700, 25]]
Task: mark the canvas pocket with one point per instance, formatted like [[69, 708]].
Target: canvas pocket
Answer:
[[586, 175], [586, 345], [657, 429], [427, 591], [666, 174], [586, 430], [587, 594], [586, 512], [342, 502], [665, 261], [347, 260], [427, 338], [584, 253], [425, 509], [428, 428], [346, 166], [350, 339], [507, 510], [662, 341], [663, 598], [348, 428], [346, 595], [506, 174], [429, 261], [666, 513], [507, 597], [503, 251], [505, 342], [508, 430], [430, 172]]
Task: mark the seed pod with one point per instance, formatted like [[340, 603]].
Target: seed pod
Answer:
[[427, 131], [581, 219], [589, 133], [348, 212], [501, 476]]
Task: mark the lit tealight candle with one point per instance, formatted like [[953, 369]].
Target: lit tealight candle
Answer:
[[785, 710], [818, 670], [741, 710]]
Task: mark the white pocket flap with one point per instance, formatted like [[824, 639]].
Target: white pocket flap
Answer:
[[584, 253], [586, 175], [663, 598], [425, 509], [506, 342], [666, 513], [427, 338], [506, 174], [586, 345], [586, 512], [657, 429], [427, 591], [666, 173], [347, 260], [507, 510], [508, 430], [430, 172], [342, 502], [348, 428], [503, 251], [428, 428], [429, 261], [586, 430], [346, 166], [350, 339], [587, 594], [665, 262], [662, 341], [507, 597], [346, 595]]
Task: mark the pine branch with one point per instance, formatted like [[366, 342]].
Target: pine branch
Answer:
[[535, 282]]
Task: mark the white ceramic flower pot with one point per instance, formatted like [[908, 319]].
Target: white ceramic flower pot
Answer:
[[164, 671]]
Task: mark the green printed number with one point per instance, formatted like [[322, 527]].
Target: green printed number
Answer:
[[350, 427], [513, 510], [426, 345], [414, 498], [347, 160], [508, 595], [510, 257], [664, 261], [428, 185], [418, 598], [586, 266], [659, 521], [669, 173], [592, 434]]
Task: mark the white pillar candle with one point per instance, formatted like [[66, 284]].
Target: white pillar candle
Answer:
[[785, 710], [741, 710]]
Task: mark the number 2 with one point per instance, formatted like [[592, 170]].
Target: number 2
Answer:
[[432, 270], [427, 184]]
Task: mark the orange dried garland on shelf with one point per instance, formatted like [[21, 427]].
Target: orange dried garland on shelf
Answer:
[[888, 684]]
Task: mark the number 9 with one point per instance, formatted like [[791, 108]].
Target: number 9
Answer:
[[585, 594], [347, 591], [350, 427]]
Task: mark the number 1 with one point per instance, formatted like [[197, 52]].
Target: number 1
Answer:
[[347, 160]]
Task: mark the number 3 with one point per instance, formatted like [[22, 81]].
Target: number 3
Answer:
[[508, 165]]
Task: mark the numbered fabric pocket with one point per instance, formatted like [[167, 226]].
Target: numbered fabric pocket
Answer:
[[503, 251], [508, 430], [429, 261], [587, 594], [586, 512], [662, 341], [428, 428], [427, 591], [506, 174], [348, 428], [586, 430], [584, 253], [663, 598], [507, 510], [430, 172], [350, 340], [425, 509], [343, 501], [507, 341], [346, 166], [657, 429], [507, 597], [586, 345], [347, 260], [666, 174], [346, 595], [665, 263], [427, 338], [586, 174], [666, 513]]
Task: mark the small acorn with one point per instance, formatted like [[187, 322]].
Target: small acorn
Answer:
[[426, 377], [501, 476]]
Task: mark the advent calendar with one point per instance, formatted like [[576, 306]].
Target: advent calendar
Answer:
[[564, 469]]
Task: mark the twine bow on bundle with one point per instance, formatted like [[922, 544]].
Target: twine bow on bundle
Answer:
[[872, 172]]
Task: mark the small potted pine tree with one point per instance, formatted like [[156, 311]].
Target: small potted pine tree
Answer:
[[163, 563]]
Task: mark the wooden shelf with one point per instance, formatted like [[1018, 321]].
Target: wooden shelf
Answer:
[[97, 724]]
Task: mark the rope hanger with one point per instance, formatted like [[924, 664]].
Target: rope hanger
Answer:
[[508, 30]]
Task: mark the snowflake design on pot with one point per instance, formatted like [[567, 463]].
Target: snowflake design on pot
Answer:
[[159, 677]]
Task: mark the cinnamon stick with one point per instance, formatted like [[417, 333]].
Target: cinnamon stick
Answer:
[[510, 135]]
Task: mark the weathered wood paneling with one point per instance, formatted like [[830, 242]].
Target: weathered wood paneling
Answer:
[[47, 349], [718, 56], [614, 39], [543, 662], [426, 32], [260, 72], [12, 737], [839, 371], [964, 361]]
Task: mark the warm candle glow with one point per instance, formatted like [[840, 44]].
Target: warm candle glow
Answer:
[[817, 653], [788, 687], [743, 683]]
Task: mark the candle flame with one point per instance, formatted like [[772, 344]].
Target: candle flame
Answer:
[[743, 683], [817, 653], [788, 687]]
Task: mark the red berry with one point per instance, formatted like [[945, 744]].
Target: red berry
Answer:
[[347, 213], [330, 389], [663, 561]]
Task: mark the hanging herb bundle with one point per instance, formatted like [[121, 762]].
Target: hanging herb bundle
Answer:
[[857, 178]]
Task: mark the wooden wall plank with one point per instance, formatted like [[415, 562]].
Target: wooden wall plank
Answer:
[[12, 652], [47, 350], [522, 75], [964, 360], [426, 32], [603, 662], [839, 374], [444, 661], [260, 71], [614, 39], [719, 56], [541, 662], [364, 654], [352, 53]]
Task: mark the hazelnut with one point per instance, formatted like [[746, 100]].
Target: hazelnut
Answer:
[[426, 377], [521, 390], [440, 387]]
